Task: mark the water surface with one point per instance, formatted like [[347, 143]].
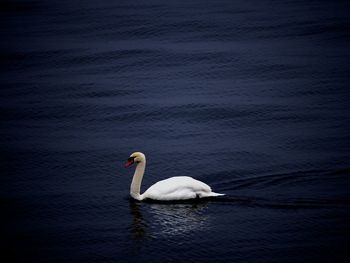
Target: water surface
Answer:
[[250, 97]]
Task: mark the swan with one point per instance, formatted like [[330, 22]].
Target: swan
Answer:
[[174, 188]]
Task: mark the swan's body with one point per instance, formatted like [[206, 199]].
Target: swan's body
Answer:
[[174, 188]]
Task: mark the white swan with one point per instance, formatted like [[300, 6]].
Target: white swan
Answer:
[[174, 188]]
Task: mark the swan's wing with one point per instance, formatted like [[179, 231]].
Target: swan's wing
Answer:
[[177, 188]]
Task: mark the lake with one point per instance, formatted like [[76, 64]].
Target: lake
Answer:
[[250, 97]]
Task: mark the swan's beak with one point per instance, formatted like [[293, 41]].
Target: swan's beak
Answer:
[[129, 162]]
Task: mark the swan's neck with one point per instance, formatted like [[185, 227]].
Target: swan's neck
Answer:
[[137, 180]]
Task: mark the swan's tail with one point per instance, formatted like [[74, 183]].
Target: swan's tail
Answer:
[[215, 194]]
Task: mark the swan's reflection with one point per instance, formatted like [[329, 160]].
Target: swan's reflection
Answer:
[[139, 226], [168, 219], [178, 219]]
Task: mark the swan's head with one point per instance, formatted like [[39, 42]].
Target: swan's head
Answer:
[[136, 157]]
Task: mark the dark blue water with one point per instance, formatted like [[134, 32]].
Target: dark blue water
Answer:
[[251, 97]]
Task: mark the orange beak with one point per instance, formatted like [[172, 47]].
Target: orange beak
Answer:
[[129, 162]]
